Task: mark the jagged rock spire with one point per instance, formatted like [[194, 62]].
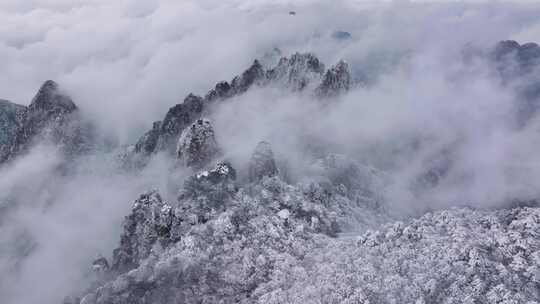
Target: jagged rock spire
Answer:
[[262, 162], [222, 90], [297, 72], [197, 145], [182, 114], [253, 75], [148, 142], [53, 117], [148, 223], [336, 80], [49, 98], [164, 134]]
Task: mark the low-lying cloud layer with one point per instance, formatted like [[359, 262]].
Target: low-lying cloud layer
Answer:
[[126, 62]]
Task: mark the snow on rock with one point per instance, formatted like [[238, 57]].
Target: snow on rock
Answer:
[[252, 76], [197, 145], [337, 80], [164, 134], [218, 242], [452, 256], [269, 244], [262, 162], [51, 117], [297, 72], [146, 226], [11, 120]]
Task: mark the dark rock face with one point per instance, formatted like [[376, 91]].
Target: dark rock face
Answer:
[[197, 145], [526, 56], [50, 99], [519, 66], [177, 119], [48, 113], [253, 75], [154, 223], [11, 120], [207, 194], [337, 80], [51, 117], [262, 163], [222, 90], [147, 224], [164, 134], [147, 144]]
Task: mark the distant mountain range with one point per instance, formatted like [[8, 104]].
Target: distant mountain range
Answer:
[[267, 240]]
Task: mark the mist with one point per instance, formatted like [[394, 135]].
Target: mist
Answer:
[[126, 62]]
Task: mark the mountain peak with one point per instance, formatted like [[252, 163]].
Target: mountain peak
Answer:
[[336, 80], [50, 98], [298, 71], [253, 75], [197, 145]]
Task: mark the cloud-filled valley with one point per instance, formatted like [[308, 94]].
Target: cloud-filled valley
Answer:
[[381, 122]]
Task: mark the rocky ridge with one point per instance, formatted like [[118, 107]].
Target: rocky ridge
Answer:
[[298, 73]]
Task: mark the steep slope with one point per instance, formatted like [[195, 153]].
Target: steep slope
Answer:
[[52, 117], [519, 67], [197, 145], [11, 120]]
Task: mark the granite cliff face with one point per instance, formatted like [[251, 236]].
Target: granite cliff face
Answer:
[[197, 145], [11, 121], [52, 117]]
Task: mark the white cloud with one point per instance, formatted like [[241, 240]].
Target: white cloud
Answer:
[[126, 62]]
